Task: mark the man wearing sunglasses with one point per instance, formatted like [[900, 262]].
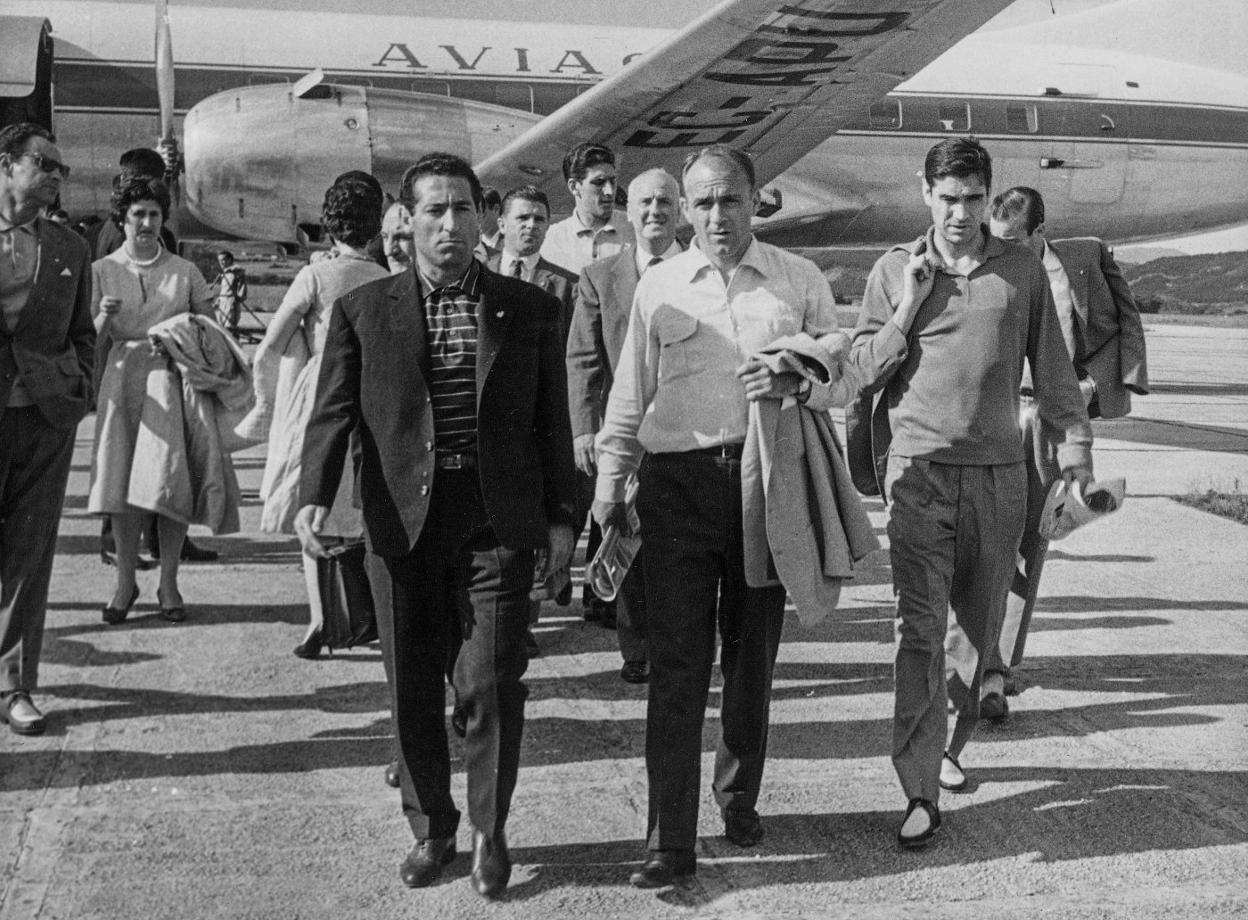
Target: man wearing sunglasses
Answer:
[[47, 348]]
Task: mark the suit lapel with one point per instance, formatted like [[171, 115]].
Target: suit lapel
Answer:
[[624, 278], [407, 314], [50, 264], [493, 318], [1077, 275]]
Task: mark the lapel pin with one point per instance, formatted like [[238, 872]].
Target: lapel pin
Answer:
[[499, 314]]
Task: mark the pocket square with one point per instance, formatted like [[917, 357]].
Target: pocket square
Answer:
[[66, 273]]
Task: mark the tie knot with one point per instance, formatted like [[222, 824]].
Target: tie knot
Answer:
[[517, 268]]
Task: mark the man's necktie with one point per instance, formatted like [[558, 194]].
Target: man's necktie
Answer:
[[517, 269]]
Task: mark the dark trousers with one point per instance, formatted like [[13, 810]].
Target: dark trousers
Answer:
[[690, 510], [34, 468], [953, 535], [458, 585], [630, 611]]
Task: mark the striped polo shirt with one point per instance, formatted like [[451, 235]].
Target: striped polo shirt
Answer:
[[451, 321]]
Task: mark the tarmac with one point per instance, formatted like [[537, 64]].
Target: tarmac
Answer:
[[199, 770]]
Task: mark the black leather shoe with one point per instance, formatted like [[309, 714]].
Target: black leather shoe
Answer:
[[310, 648], [424, 864], [994, 708], [392, 774], [491, 864], [114, 615], [23, 716], [635, 672], [744, 828], [664, 867]]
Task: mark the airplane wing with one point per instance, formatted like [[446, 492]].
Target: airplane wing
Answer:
[[774, 79]]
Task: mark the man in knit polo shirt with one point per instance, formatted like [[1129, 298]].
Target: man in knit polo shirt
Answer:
[[946, 326]]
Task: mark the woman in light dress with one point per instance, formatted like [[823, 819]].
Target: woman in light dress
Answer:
[[137, 287], [287, 363]]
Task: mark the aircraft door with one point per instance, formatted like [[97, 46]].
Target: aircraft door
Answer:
[[1085, 158]]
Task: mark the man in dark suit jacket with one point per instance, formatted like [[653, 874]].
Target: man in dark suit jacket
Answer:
[[454, 376], [604, 301], [1105, 338], [47, 348], [523, 221]]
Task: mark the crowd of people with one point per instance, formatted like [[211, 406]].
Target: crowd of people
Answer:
[[461, 384]]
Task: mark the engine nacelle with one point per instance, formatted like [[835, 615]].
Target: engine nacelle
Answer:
[[259, 158]]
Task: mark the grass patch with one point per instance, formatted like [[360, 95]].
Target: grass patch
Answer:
[[1233, 505]]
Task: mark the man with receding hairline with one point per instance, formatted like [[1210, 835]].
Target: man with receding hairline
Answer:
[[686, 376], [604, 299]]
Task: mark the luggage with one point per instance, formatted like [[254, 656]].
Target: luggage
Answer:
[[346, 600]]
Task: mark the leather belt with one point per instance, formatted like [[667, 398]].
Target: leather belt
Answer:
[[722, 452], [456, 461]]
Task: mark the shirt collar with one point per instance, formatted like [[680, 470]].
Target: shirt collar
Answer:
[[993, 247], [506, 260], [469, 284], [643, 260], [753, 258], [583, 230], [1050, 259]]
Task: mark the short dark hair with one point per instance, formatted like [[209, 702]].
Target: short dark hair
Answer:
[[133, 189], [359, 175], [351, 213], [142, 161], [490, 197], [959, 157], [226, 253], [1020, 200], [13, 138], [438, 164], [578, 160], [526, 193], [734, 155]]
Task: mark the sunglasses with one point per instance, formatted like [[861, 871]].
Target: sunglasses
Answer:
[[47, 164]]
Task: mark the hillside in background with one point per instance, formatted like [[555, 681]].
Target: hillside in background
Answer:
[[1216, 283]]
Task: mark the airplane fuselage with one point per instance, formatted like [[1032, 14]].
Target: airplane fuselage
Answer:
[[1122, 145]]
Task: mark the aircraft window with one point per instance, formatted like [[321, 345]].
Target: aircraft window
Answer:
[[548, 97], [886, 114], [1021, 118], [433, 87], [955, 116], [514, 96]]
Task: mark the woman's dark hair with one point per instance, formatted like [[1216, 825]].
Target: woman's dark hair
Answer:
[[139, 188], [352, 212]]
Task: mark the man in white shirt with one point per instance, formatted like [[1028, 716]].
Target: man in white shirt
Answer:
[[604, 299], [686, 376], [595, 230]]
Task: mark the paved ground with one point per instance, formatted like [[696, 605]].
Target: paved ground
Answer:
[[201, 771]]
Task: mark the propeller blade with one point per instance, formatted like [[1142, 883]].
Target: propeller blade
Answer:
[[164, 69]]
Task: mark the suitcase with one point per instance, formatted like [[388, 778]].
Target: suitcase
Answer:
[[346, 600]]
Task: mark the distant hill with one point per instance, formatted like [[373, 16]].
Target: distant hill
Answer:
[[1138, 255], [1212, 283]]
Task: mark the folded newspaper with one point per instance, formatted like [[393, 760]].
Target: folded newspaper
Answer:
[[1069, 507]]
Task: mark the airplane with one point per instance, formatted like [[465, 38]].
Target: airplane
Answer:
[[1128, 115]]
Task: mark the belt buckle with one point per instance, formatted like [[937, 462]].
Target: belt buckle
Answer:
[[453, 462]]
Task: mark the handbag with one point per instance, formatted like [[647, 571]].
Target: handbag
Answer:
[[346, 599]]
